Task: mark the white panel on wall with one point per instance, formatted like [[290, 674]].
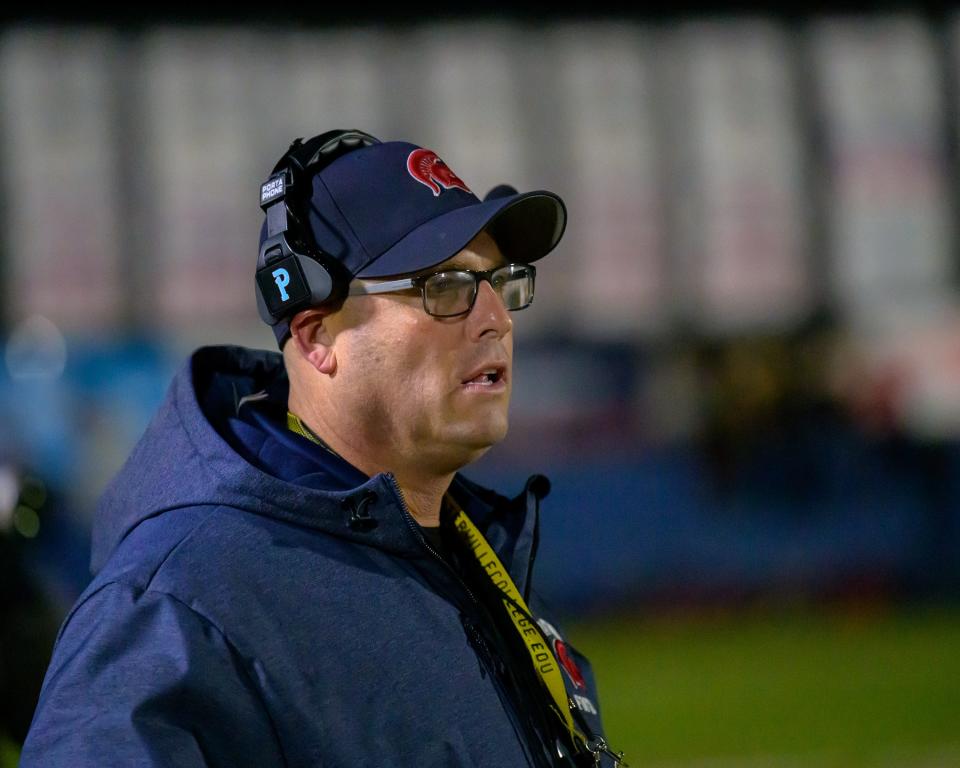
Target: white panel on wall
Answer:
[[59, 174], [615, 250], [743, 259], [331, 80], [203, 95], [887, 201]]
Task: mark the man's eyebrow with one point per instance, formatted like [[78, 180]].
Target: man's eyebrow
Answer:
[[441, 268], [459, 264]]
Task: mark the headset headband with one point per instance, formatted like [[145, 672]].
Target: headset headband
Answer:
[[292, 272]]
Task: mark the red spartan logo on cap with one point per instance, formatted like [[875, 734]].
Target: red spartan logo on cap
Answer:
[[568, 664], [428, 169]]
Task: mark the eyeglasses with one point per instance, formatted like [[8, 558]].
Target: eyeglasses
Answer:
[[453, 292]]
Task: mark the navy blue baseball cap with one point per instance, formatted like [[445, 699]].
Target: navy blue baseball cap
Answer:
[[395, 208]]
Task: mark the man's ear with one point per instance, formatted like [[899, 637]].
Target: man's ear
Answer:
[[310, 332]]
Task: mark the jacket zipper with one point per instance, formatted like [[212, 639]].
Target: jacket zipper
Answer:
[[481, 646], [411, 523]]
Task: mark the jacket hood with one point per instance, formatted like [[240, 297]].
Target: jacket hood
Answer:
[[185, 458]]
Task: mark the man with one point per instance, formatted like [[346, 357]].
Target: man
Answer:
[[290, 570]]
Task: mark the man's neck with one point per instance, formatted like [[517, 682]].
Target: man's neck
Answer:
[[423, 495], [424, 500]]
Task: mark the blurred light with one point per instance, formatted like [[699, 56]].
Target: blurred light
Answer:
[[9, 493], [34, 492], [36, 350], [26, 521]]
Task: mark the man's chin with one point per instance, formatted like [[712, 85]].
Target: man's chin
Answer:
[[468, 445], [490, 433]]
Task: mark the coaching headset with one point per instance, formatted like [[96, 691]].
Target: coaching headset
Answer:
[[293, 273]]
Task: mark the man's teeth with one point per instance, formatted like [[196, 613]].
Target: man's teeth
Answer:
[[486, 378]]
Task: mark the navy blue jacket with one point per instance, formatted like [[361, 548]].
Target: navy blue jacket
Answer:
[[240, 617]]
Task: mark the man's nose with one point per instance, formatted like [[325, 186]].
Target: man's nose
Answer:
[[489, 315]]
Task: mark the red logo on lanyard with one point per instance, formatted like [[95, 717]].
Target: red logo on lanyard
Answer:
[[569, 665]]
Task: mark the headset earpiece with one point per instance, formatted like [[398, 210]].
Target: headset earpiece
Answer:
[[292, 272]]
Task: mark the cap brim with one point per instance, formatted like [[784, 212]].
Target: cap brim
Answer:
[[525, 226]]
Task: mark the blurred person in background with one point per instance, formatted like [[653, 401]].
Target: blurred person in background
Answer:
[[28, 618], [290, 568]]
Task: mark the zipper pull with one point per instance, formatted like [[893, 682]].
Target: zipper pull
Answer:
[[598, 746]]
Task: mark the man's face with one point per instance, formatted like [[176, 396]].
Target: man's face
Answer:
[[416, 385]]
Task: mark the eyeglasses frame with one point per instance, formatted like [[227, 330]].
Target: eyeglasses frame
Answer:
[[419, 281]]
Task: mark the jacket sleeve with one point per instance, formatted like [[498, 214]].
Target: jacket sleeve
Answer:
[[140, 679]]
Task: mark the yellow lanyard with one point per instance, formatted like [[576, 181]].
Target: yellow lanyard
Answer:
[[540, 654], [294, 424]]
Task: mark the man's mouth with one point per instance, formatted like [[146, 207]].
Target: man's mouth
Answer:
[[487, 377]]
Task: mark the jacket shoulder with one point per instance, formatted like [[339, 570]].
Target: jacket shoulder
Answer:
[[138, 674]]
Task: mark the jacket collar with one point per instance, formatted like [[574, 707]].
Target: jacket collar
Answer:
[[189, 456]]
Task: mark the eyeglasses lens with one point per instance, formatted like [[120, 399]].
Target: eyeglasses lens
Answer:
[[452, 293], [449, 293], [516, 288]]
